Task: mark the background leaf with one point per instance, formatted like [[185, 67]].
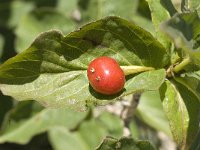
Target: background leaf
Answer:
[[183, 29], [151, 112], [92, 10], [18, 123], [125, 143], [6, 105], [61, 138], [38, 21], [182, 109], [10, 14]]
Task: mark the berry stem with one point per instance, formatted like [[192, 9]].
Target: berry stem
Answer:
[[135, 69]]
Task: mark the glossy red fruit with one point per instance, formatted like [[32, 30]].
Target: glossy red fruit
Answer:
[[106, 76]]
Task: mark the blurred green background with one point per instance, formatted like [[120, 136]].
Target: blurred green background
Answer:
[[29, 126]]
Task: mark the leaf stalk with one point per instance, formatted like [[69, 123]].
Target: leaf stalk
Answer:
[[135, 69]]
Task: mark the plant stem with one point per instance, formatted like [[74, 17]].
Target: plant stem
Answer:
[[135, 69], [181, 66]]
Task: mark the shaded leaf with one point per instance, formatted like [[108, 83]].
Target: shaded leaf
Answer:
[[196, 143], [191, 80], [6, 105], [20, 127], [124, 143], [182, 109], [151, 112], [1, 45], [184, 30], [53, 69], [38, 21]]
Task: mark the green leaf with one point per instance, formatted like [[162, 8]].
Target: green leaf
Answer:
[[160, 14], [61, 138], [150, 102], [182, 109], [20, 127], [53, 69], [124, 143], [184, 30], [38, 21], [191, 80]]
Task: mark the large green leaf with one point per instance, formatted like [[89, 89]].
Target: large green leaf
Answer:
[[182, 109], [53, 69], [150, 102], [38, 21], [160, 14], [27, 120], [125, 143], [61, 138]]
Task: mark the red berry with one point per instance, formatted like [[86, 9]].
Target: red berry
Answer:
[[106, 76]]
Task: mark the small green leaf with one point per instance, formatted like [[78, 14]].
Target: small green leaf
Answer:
[[53, 69], [38, 21], [20, 127], [182, 109], [124, 143]]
